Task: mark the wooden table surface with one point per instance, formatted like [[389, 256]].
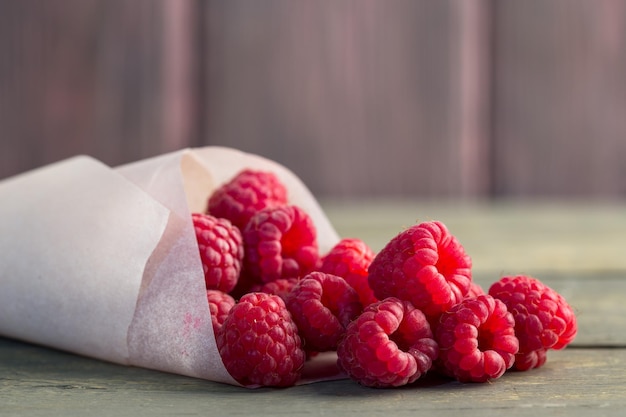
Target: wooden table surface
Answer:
[[577, 248]]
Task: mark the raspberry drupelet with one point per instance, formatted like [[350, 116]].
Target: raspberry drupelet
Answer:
[[221, 251], [424, 264], [476, 340], [280, 287], [220, 304], [245, 194], [389, 345], [543, 318], [475, 290], [259, 342]]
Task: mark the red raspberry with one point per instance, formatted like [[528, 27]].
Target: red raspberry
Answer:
[[534, 359], [221, 251], [280, 287], [322, 305], [543, 319], [248, 192], [280, 242], [220, 304], [475, 290], [425, 265], [350, 259], [476, 340], [259, 342], [390, 344]]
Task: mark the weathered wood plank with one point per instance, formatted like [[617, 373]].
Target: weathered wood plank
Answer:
[[105, 78], [558, 107], [36, 382], [357, 97], [405, 98]]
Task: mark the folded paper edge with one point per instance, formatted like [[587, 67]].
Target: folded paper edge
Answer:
[[193, 335], [56, 187]]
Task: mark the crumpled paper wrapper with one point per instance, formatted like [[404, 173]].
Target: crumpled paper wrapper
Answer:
[[103, 262]]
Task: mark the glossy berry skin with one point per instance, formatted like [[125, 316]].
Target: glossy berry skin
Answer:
[[280, 242], [259, 342], [475, 290], [424, 264], [530, 360], [389, 345], [221, 251], [350, 259], [543, 318], [476, 340], [220, 304], [245, 194], [281, 287], [322, 305]]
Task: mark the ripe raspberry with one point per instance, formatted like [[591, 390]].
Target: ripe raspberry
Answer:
[[543, 319], [534, 359], [475, 290], [280, 287], [220, 304], [425, 265], [221, 251], [350, 259], [389, 345], [259, 342], [248, 192], [322, 305], [280, 242], [476, 340]]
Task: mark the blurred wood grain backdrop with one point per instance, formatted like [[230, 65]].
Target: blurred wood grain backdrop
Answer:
[[360, 98]]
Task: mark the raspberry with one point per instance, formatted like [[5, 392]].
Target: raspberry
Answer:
[[221, 251], [543, 319], [280, 242], [280, 287], [476, 340], [390, 344], [425, 265], [350, 259], [475, 290], [220, 304], [248, 192], [322, 305], [259, 342], [534, 359]]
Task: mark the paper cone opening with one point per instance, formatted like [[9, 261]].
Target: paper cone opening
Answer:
[[104, 263]]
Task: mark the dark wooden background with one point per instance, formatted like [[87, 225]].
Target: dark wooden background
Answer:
[[439, 98]]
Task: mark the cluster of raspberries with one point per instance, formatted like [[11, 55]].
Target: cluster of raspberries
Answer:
[[413, 308]]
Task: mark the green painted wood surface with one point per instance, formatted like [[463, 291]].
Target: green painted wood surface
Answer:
[[587, 378], [39, 382]]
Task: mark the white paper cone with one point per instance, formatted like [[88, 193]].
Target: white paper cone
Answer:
[[103, 262]]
